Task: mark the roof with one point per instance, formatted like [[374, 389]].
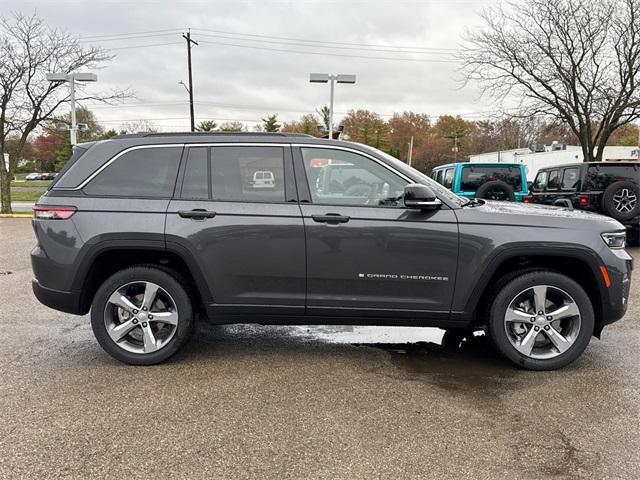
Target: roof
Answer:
[[478, 164], [577, 164]]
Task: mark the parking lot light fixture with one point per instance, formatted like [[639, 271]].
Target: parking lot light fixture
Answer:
[[72, 78], [331, 78]]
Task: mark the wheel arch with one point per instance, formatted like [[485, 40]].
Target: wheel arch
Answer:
[[108, 257], [581, 265]]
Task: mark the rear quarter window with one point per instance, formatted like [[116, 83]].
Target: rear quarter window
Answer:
[[142, 172], [473, 177], [599, 177]]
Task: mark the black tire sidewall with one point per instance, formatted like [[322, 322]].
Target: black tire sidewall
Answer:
[[607, 200], [507, 294], [496, 185], [168, 282]]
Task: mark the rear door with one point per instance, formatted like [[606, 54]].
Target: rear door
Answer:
[[367, 253], [246, 236]]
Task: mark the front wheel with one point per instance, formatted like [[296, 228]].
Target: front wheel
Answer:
[[141, 315], [541, 320]]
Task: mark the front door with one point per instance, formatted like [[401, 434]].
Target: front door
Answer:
[[237, 215], [367, 253]]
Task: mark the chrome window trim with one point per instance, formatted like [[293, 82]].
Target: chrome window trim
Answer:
[[169, 145], [359, 152]]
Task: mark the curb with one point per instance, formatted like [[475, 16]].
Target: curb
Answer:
[[16, 215]]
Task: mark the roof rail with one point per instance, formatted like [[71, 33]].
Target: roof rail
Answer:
[[209, 134]]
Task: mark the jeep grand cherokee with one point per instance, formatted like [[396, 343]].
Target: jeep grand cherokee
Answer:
[[150, 232]]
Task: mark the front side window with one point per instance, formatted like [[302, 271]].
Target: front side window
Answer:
[[337, 177], [247, 174], [142, 172], [473, 177], [541, 182]]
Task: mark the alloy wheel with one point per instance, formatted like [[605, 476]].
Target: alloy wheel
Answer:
[[542, 322], [141, 317], [624, 200]]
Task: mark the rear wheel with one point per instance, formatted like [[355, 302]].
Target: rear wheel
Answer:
[[141, 315], [541, 320]]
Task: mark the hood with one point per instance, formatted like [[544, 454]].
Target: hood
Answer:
[[515, 213]]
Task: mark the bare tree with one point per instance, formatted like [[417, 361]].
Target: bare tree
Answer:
[[575, 61], [29, 49]]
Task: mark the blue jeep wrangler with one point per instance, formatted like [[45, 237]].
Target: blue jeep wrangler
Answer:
[[492, 181]]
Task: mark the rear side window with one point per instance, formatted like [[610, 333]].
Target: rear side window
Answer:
[[554, 180], [599, 177], [447, 181], [251, 174], [439, 176], [473, 177], [195, 184], [143, 172], [570, 179]]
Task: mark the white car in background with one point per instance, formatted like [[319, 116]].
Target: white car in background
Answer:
[[263, 179]]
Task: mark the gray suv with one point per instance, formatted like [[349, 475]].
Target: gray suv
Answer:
[[150, 232]]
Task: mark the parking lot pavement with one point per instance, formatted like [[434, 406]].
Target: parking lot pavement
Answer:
[[303, 402]]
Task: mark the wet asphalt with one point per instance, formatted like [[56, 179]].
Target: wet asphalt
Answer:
[[303, 402]]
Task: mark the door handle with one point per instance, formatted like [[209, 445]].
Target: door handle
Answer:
[[330, 218], [196, 214]]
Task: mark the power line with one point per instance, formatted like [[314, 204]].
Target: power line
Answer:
[[306, 52], [334, 47], [320, 41], [146, 45], [130, 33]]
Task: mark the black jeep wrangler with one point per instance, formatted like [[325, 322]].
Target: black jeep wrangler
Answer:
[[610, 188]]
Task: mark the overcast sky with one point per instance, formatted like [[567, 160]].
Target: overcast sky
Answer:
[[245, 66]]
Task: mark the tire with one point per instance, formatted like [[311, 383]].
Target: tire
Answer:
[[633, 236], [621, 200], [496, 190], [513, 338], [168, 318]]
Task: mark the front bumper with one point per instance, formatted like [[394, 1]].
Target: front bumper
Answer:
[[615, 301]]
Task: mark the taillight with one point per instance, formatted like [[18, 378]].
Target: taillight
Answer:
[[583, 200], [528, 199], [43, 212]]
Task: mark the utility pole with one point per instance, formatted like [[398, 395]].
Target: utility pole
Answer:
[[187, 37], [410, 151]]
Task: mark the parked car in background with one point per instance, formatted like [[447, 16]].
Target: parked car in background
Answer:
[[348, 235], [47, 176], [492, 181], [32, 177], [610, 188]]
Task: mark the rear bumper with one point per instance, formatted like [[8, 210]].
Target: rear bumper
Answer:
[[68, 302]]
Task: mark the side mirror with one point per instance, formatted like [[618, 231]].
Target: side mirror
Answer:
[[420, 196]]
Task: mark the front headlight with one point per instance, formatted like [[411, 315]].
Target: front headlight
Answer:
[[615, 239]]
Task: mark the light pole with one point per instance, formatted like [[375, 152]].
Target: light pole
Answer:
[[331, 78], [72, 78]]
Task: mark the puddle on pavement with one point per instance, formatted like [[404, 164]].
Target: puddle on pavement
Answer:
[[450, 361]]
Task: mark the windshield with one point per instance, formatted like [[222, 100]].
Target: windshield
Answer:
[[420, 177]]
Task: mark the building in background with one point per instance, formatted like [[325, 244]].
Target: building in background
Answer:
[[540, 156]]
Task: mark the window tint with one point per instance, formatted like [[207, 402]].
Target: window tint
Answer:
[[251, 174], [196, 177], [472, 177], [599, 177], [554, 180], [344, 178], [143, 172], [541, 182], [570, 179], [447, 180]]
